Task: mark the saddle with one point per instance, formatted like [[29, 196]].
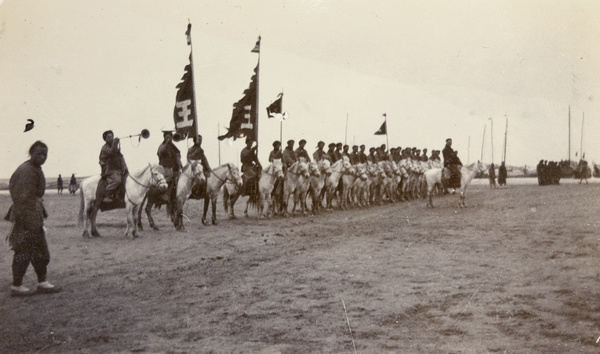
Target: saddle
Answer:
[[450, 179], [114, 199], [250, 186], [198, 190]]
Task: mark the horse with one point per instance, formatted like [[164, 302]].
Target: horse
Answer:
[[226, 173], [266, 185], [331, 183], [434, 177], [268, 176], [302, 191], [136, 186], [191, 174], [317, 183], [295, 178]]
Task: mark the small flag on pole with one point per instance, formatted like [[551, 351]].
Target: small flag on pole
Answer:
[[382, 130], [275, 109], [257, 46]]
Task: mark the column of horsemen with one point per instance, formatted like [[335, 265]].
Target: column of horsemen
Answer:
[[351, 177]]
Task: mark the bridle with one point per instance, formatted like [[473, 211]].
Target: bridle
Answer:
[[153, 179], [228, 178], [194, 175]]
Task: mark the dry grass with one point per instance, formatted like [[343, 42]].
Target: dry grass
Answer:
[[517, 271]]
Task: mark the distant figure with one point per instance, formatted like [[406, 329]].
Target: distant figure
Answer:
[[28, 238], [59, 184], [502, 174], [492, 176], [73, 184], [540, 172]]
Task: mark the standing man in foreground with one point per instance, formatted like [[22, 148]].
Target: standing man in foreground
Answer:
[[28, 239]]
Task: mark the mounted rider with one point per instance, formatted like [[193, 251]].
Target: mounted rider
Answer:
[[250, 167], [169, 158], [362, 157], [301, 152], [113, 169], [452, 163], [354, 156], [195, 152], [331, 153], [276, 152], [319, 154], [288, 157]]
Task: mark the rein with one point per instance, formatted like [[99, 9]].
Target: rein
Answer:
[[151, 175], [268, 173], [226, 178], [193, 176]]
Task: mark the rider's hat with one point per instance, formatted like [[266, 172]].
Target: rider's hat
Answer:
[[320, 143], [331, 145], [276, 143], [106, 133], [302, 142], [290, 142], [449, 139]]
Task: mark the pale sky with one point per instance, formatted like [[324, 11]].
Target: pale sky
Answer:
[[438, 69]]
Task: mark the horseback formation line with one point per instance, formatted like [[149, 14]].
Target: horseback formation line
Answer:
[[336, 177]]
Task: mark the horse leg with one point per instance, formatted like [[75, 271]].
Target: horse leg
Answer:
[[150, 218], [206, 201], [139, 213], [92, 219], [232, 199], [213, 202], [461, 201]]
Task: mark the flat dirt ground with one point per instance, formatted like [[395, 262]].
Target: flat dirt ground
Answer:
[[518, 271]]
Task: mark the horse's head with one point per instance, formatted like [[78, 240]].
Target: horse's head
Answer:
[[361, 171], [277, 167], [197, 170], [302, 169], [158, 177], [325, 167], [234, 175], [313, 169], [481, 167], [346, 163]]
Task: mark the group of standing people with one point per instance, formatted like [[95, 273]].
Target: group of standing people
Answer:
[[548, 173], [72, 184], [502, 174]]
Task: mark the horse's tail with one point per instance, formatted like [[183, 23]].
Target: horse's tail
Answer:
[[81, 207], [225, 198]]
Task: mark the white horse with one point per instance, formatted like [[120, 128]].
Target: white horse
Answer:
[[216, 180], [136, 187], [317, 183], [295, 176], [191, 174], [301, 192], [265, 186], [331, 182], [434, 177]]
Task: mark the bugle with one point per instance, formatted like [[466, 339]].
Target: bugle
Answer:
[[178, 137], [143, 134]]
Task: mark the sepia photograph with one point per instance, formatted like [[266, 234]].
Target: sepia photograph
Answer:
[[300, 176]]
